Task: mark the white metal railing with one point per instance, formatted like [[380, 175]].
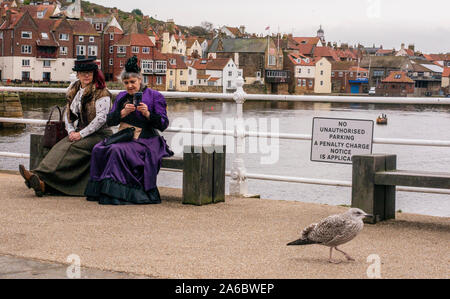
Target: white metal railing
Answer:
[[238, 174]]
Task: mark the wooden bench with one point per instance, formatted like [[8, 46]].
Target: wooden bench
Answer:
[[203, 170], [375, 178]]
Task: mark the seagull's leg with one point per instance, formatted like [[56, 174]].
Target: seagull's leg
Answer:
[[331, 259], [349, 258]]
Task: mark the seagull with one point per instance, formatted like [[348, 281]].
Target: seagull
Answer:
[[334, 231]]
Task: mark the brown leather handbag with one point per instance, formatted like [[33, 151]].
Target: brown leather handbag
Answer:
[[55, 130]]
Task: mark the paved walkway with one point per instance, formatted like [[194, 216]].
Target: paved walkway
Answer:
[[242, 238]]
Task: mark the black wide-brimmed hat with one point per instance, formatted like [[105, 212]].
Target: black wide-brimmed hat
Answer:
[[85, 65]]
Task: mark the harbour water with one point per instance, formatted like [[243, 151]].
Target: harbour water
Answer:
[[293, 157]]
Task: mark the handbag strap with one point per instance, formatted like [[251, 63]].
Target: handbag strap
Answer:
[[61, 113]]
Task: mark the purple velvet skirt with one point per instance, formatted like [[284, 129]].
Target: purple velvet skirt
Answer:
[[126, 173]]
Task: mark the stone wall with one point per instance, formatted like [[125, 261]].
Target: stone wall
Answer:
[[10, 106]]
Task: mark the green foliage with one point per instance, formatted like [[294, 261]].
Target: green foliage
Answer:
[[137, 11]]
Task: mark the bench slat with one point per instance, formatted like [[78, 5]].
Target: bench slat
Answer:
[[173, 163], [413, 179]]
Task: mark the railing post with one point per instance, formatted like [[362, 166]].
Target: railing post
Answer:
[[239, 184]]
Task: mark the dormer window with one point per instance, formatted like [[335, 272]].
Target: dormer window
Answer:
[[27, 34], [398, 76], [172, 61], [40, 14], [44, 35]]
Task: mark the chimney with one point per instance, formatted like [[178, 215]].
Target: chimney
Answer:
[[242, 29], [411, 47], [403, 46], [8, 17]]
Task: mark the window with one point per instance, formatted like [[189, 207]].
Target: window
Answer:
[[25, 76], [44, 35], [191, 83], [111, 61], [27, 34], [304, 82], [171, 73], [111, 36], [341, 74], [135, 50], [145, 50], [98, 26], [121, 49], [92, 51], [121, 64], [81, 39], [91, 39], [25, 62], [239, 74], [1, 35], [47, 63], [111, 50], [351, 74], [147, 66], [182, 83], [299, 82], [26, 49], [332, 74], [230, 74], [310, 83], [378, 73], [258, 74], [181, 73], [62, 50], [161, 66], [40, 14], [190, 72], [321, 83], [63, 36], [272, 60], [321, 73], [81, 50], [145, 79], [159, 80], [229, 84], [309, 71], [398, 76]]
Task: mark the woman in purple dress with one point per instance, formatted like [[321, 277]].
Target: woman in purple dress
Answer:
[[125, 173]]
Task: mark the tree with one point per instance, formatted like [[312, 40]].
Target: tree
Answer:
[[199, 31], [137, 11], [208, 26]]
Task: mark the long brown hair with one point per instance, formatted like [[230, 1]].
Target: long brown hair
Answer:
[[99, 79]]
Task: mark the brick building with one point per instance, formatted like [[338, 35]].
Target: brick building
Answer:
[[397, 84], [34, 49]]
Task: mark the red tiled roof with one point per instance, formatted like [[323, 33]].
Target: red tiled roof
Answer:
[[200, 64], [325, 52], [307, 40], [135, 39], [356, 69], [305, 49], [446, 72], [398, 77], [179, 63], [34, 9], [213, 79], [203, 77], [82, 28], [14, 19], [217, 64]]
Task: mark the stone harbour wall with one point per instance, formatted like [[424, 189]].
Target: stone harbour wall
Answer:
[[10, 106]]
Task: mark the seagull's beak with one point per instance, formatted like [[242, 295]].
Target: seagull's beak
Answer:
[[368, 215]]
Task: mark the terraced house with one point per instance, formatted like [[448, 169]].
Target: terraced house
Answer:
[[34, 49]]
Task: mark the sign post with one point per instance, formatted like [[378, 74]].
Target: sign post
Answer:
[[337, 140]]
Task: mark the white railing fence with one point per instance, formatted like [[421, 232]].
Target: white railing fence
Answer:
[[239, 175]]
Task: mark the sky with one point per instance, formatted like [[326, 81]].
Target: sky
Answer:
[[389, 23]]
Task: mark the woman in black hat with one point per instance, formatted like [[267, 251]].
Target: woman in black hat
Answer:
[[65, 169], [125, 172]]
